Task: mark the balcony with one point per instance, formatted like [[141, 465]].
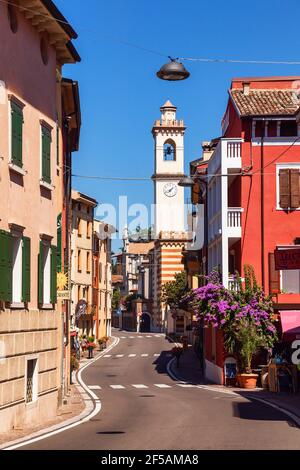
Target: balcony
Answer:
[[234, 222], [233, 153]]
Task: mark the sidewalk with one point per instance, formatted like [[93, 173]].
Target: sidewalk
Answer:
[[189, 371], [73, 406]]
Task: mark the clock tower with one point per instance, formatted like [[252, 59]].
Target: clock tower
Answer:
[[169, 227], [168, 133]]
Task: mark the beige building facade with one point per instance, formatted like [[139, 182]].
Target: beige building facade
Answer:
[[30, 100], [102, 266], [82, 310]]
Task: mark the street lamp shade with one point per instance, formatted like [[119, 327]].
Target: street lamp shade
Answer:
[[186, 182], [173, 71]]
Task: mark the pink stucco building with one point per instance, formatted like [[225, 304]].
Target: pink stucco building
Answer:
[[35, 43]]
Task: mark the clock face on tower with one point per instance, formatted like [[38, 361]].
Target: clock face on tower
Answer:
[[170, 189]]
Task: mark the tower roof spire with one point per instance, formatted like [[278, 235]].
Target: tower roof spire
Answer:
[[168, 105]]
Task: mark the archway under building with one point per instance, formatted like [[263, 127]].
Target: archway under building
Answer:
[[145, 322]]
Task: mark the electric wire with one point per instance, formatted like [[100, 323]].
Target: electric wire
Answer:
[[152, 51]]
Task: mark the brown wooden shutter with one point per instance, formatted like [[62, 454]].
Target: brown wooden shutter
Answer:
[[274, 276], [294, 189], [284, 188]]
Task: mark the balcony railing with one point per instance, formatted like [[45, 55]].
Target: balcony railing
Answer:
[[233, 284], [234, 150], [234, 217]]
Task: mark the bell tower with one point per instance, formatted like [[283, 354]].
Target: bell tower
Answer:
[[169, 227], [168, 133]]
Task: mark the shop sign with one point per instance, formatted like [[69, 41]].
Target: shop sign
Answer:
[[287, 259], [64, 294]]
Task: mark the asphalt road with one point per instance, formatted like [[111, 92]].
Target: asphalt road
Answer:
[[143, 408]]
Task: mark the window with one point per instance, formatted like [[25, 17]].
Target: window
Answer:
[[46, 154], [59, 243], [44, 50], [47, 274], [88, 262], [79, 226], [288, 129], [100, 272], [169, 151], [290, 281], [31, 380], [89, 229], [79, 260], [78, 293], [12, 18], [288, 188], [14, 268], [16, 134]]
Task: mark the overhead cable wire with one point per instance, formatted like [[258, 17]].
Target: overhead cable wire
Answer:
[[152, 51]]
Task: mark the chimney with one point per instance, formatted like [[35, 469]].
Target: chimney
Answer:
[[246, 88]]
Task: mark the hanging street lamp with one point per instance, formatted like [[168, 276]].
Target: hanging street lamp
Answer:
[[173, 71], [186, 182]]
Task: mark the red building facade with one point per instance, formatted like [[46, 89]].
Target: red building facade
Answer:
[[254, 194]]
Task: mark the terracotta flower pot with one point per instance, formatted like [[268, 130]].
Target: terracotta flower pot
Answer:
[[247, 380]]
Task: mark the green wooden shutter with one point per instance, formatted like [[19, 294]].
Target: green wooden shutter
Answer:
[[59, 245], [26, 270], [16, 135], [46, 155], [6, 248], [53, 288], [41, 274]]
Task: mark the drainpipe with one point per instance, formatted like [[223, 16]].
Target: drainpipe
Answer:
[[262, 207]]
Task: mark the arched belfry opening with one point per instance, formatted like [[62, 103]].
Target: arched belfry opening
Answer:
[[169, 151]]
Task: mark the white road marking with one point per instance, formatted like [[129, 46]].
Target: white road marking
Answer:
[[139, 386], [123, 337], [148, 336], [158, 336], [140, 336], [116, 387], [107, 355], [131, 337], [156, 355], [186, 385], [144, 355], [162, 386], [131, 355], [119, 355], [94, 387]]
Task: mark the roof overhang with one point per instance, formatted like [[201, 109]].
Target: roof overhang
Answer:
[[46, 18]]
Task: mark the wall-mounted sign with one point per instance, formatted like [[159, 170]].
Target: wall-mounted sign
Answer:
[[288, 258], [81, 308], [64, 294]]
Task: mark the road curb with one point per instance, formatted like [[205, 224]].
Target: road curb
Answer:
[[92, 407], [210, 388]]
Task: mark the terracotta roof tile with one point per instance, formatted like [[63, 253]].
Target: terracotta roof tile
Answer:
[[266, 102]]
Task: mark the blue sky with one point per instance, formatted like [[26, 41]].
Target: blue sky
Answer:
[[121, 96]]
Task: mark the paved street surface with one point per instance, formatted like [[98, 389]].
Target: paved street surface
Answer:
[[143, 408]]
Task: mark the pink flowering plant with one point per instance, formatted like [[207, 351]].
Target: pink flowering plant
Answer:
[[245, 315]]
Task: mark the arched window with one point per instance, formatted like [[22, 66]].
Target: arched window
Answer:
[[169, 151]]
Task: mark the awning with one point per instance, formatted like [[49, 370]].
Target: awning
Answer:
[[290, 321]]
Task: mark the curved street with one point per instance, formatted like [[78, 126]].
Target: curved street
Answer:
[[143, 408]]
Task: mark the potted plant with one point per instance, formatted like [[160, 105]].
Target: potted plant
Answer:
[[100, 343], [91, 346], [245, 316], [177, 352]]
